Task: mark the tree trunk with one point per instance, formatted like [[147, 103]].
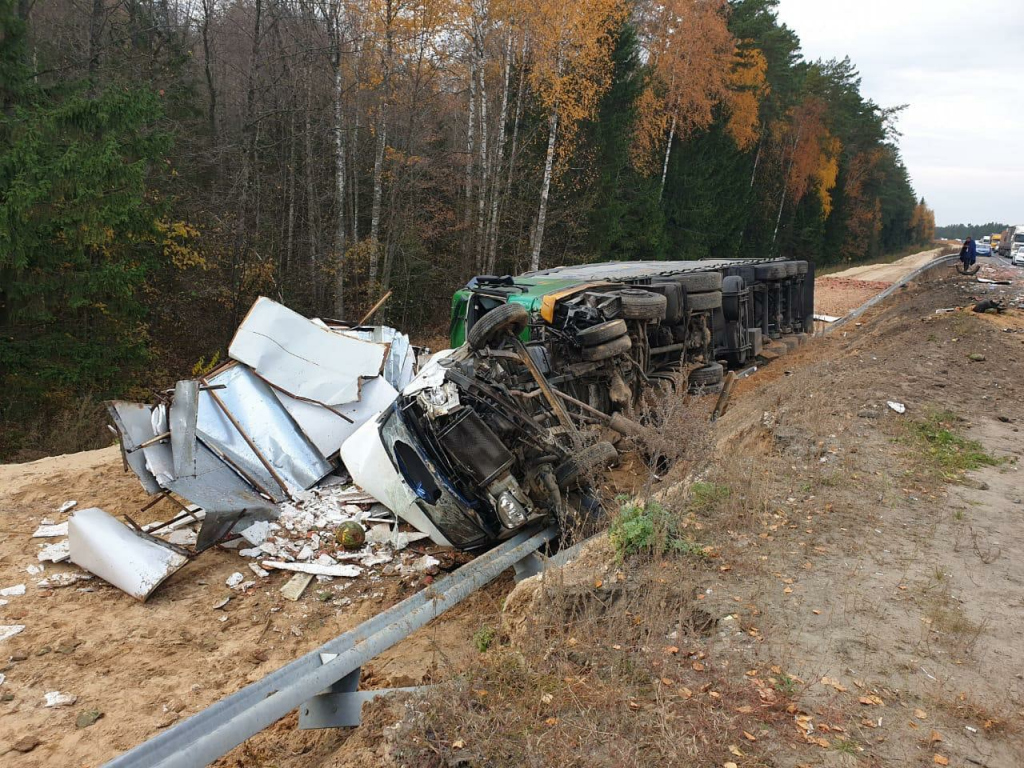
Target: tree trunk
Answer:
[[785, 183], [545, 189], [96, 19], [378, 172], [668, 151], [484, 168], [339, 182], [492, 233], [208, 9], [470, 145], [312, 200]]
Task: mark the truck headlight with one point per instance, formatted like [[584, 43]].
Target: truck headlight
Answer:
[[510, 510]]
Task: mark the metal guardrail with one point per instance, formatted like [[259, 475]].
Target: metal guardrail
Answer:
[[874, 300], [221, 727]]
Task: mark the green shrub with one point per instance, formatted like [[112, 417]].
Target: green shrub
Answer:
[[647, 527]]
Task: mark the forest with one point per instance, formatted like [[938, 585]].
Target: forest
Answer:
[[977, 231], [165, 162]]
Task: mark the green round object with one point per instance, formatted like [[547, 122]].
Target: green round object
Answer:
[[350, 535]]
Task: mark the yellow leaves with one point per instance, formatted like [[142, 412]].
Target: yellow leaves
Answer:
[[691, 51], [834, 684], [175, 239], [458, 744], [920, 714], [940, 759], [871, 700], [571, 45], [747, 87]]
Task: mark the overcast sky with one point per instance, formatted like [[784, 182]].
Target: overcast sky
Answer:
[[959, 65]]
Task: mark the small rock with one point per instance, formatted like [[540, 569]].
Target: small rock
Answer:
[[19, 656], [87, 717], [168, 718], [1004, 419], [976, 357], [44, 650], [175, 705], [67, 647], [25, 744], [7, 697], [868, 414]]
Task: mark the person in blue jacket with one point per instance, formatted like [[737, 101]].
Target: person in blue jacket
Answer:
[[968, 253]]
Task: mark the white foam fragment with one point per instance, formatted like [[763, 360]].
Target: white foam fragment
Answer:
[[63, 580], [50, 531], [67, 506], [258, 571], [257, 533], [58, 699], [234, 580], [251, 552], [34, 570], [347, 571], [54, 552], [15, 591], [183, 537], [8, 631]]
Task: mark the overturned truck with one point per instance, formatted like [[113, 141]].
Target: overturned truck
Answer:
[[501, 431], [496, 433]]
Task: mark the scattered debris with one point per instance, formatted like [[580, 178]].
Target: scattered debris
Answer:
[[316, 569], [16, 591], [221, 603], [58, 699], [990, 304], [63, 580], [235, 580], [295, 586], [45, 531], [54, 553], [898, 407], [67, 506]]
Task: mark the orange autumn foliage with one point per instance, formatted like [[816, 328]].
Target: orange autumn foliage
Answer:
[[747, 87], [690, 50]]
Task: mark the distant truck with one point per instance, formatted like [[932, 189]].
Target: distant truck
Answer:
[[995, 242], [1011, 240], [987, 239]]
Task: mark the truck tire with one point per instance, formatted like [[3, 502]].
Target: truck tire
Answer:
[[702, 302], [707, 376], [601, 333], [700, 282], [732, 286], [642, 305], [600, 454], [613, 348], [770, 272], [506, 318]]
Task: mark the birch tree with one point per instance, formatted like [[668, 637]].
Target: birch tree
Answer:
[[571, 44]]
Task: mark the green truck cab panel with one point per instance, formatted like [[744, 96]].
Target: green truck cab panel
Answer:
[[469, 303]]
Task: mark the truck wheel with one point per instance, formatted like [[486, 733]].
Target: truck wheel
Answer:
[[732, 286], [700, 282], [507, 317], [642, 305], [601, 333], [770, 272], [613, 348], [600, 454], [707, 376], [702, 302]]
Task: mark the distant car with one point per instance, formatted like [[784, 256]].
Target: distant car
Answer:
[[983, 249], [1018, 258]]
